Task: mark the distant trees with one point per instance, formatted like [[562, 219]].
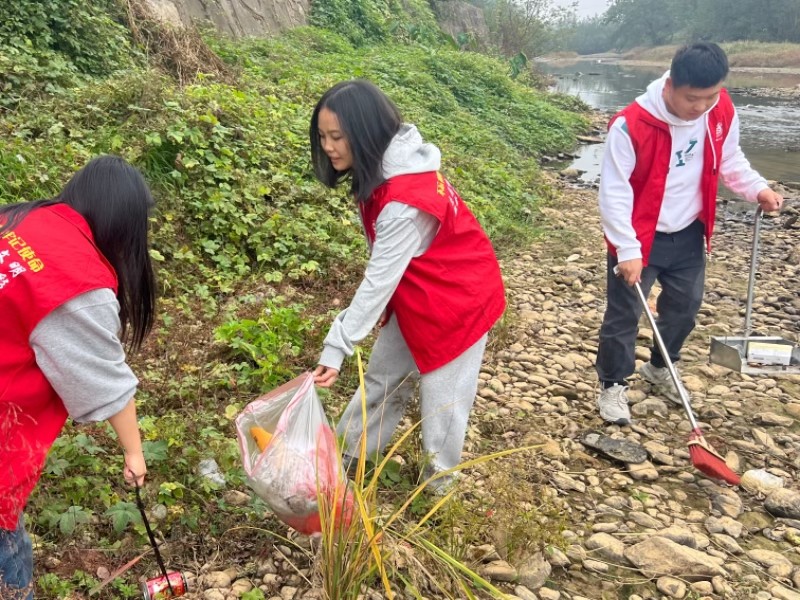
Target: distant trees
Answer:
[[530, 27], [589, 36], [535, 27], [731, 20], [657, 22], [644, 22]]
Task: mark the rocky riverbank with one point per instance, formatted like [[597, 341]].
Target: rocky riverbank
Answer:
[[659, 528]]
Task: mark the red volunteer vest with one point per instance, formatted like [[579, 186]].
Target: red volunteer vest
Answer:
[[48, 259], [652, 143], [452, 294]]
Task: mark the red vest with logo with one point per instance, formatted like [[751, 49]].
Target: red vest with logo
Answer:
[[451, 295], [48, 259], [652, 143]]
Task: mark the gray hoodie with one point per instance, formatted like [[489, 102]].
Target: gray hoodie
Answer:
[[77, 349], [401, 233]]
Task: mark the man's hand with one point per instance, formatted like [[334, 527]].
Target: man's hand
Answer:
[[769, 201], [630, 270], [325, 376]]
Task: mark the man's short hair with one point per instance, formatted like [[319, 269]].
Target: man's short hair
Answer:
[[700, 65]]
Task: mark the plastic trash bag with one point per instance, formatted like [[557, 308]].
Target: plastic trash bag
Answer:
[[300, 463]]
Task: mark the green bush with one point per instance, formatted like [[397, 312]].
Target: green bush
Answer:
[[47, 45], [269, 344], [370, 21], [236, 198]]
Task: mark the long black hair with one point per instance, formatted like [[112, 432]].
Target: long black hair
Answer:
[[369, 120], [116, 202]]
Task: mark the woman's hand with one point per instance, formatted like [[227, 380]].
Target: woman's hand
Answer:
[[127, 428], [325, 376], [135, 468]]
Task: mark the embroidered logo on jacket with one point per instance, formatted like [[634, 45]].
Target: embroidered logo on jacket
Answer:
[[685, 156]]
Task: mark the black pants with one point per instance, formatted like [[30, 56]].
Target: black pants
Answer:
[[677, 261]]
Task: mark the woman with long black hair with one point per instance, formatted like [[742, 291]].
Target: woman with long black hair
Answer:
[[432, 280], [76, 282]]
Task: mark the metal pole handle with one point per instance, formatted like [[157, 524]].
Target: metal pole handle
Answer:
[[664, 354], [752, 282], [150, 535]]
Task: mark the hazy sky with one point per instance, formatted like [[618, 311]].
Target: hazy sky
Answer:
[[586, 8]]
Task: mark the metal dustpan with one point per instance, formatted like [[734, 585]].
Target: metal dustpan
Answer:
[[752, 354]]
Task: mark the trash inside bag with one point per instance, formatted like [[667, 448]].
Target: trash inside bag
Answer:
[[290, 458]]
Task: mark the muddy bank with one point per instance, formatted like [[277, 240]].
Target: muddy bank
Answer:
[[615, 58]]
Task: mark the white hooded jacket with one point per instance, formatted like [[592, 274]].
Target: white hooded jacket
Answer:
[[682, 197]]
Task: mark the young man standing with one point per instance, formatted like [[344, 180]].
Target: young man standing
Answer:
[[658, 191]]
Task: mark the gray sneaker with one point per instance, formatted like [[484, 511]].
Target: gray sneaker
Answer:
[[661, 381], [613, 405]]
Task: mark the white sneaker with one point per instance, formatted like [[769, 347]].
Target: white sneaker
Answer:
[[661, 380], [613, 404]]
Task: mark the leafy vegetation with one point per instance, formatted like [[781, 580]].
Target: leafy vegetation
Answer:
[[49, 45], [530, 27], [253, 254], [370, 21], [230, 163]]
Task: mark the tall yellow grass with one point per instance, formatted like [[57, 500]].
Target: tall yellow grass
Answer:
[[381, 546]]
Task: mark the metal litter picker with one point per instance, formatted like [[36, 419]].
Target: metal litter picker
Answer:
[[755, 355], [703, 456]]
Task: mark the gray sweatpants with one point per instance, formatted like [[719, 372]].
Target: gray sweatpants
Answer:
[[446, 397]]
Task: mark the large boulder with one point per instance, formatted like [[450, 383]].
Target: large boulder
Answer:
[[658, 556]]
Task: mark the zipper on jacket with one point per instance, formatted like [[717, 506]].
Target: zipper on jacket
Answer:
[[713, 149]]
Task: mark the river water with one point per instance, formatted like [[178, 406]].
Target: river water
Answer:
[[770, 126]]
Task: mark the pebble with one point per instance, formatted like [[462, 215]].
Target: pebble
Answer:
[[784, 503], [522, 592], [217, 579], [607, 547], [783, 593], [288, 592], [702, 588], [671, 587], [499, 570], [549, 594], [241, 586], [727, 543], [595, 565], [760, 481]]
